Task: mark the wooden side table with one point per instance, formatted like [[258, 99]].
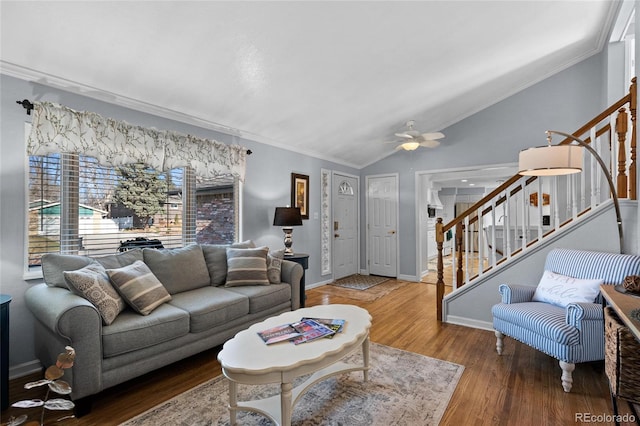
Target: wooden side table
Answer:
[[5, 299], [303, 260]]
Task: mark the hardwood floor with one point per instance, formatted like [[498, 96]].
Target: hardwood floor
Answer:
[[520, 387]]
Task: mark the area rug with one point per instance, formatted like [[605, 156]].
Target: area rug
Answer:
[[404, 388], [371, 294], [359, 282]]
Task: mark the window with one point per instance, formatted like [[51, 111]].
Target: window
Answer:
[[78, 206]]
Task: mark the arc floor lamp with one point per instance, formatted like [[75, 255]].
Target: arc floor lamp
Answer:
[[555, 160]]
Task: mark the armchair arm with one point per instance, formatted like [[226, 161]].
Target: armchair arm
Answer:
[[291, 272], [64, 318], [576, 312], [515, 293]]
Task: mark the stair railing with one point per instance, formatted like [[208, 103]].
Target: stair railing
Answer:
[[524, 209]]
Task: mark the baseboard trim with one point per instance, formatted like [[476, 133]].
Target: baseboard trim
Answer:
[[318, 284], [25, 369], [408, 278], [468, 322]]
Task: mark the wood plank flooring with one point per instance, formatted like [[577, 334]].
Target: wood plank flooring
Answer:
[[520, 387]]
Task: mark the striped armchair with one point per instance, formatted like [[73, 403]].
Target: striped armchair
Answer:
[[571, 334]]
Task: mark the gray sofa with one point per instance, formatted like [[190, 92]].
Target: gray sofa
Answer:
[[203, 312]]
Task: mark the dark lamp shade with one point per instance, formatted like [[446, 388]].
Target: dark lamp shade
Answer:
[[287, 216]]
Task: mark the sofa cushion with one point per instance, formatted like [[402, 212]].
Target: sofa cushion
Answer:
[[264, 297], [215, 255], [92, 283], [274, 266], [130, 332], [54, 265], [247, 267], [561, 290], [179, 269], [139, 287], [542, 319], [119, 260], [210, 307]]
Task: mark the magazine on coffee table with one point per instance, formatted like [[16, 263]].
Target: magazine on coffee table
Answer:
[[279, 333], [310, 330], [334, 324]]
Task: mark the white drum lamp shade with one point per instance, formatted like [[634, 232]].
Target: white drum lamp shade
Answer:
[[550, 160]]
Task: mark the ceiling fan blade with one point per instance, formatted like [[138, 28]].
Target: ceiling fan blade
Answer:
[[431, 136], [405, 135], [430, 143]]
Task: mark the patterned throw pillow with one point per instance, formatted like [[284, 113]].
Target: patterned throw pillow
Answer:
[[274, 266], [247, 266], [92, 283], [139, 287], [561, 290]]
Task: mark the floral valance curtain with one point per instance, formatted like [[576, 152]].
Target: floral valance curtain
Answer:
[[58, 129]]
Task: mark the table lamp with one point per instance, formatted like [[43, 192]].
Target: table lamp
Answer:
[[287, 217]]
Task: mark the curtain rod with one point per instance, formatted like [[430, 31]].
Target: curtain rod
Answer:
[[28, 105]]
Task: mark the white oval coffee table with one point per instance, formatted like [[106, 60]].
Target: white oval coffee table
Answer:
[[247, 359]]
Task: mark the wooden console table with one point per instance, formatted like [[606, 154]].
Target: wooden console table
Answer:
[[623, 304]]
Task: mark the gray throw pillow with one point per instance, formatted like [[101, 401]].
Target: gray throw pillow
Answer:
[[92, 283], [247, 267], [274, 266], [215, 256], [119, 260], [179, 269], [139, 287], [54, 265]]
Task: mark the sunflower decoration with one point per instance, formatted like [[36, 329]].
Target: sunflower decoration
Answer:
[[52, 377]]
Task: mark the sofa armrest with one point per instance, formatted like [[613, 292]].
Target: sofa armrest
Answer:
[[64, 318], [515, 293], [291, 273], [576, 312]]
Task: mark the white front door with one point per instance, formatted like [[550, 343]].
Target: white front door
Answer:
[[382, 214], [345, 225]]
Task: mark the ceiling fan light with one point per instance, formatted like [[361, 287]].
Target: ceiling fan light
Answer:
[[410, 146]]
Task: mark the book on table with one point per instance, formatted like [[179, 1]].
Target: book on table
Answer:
[[305, 330], [279, 333], [334, 324], [310, 330]]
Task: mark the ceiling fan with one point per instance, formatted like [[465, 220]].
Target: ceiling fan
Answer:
[[412, 139]]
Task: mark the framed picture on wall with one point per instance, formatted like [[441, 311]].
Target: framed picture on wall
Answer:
[[300, 193]]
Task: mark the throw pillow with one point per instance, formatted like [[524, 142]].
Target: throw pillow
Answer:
[[247, 267], [139, 287], [274, 266], [215, 256], [561, 290], [54, 265], [179, 269], [92, 283], [119, 260]]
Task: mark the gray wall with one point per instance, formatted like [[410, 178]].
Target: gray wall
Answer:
[[494, 135], [267, 185]]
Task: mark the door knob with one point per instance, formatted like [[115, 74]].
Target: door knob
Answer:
[[392, 232], [336, 235]]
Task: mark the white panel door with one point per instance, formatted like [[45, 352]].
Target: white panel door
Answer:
[[345, 226], [382, 197]]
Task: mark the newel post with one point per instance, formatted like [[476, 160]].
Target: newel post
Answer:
[[633, 96], [440, 281], [621, 130], [459, 248]]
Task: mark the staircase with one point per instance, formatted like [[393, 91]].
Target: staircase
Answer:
[[526, 211]]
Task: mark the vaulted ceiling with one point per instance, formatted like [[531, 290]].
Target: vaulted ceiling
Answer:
[[331, 79]]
